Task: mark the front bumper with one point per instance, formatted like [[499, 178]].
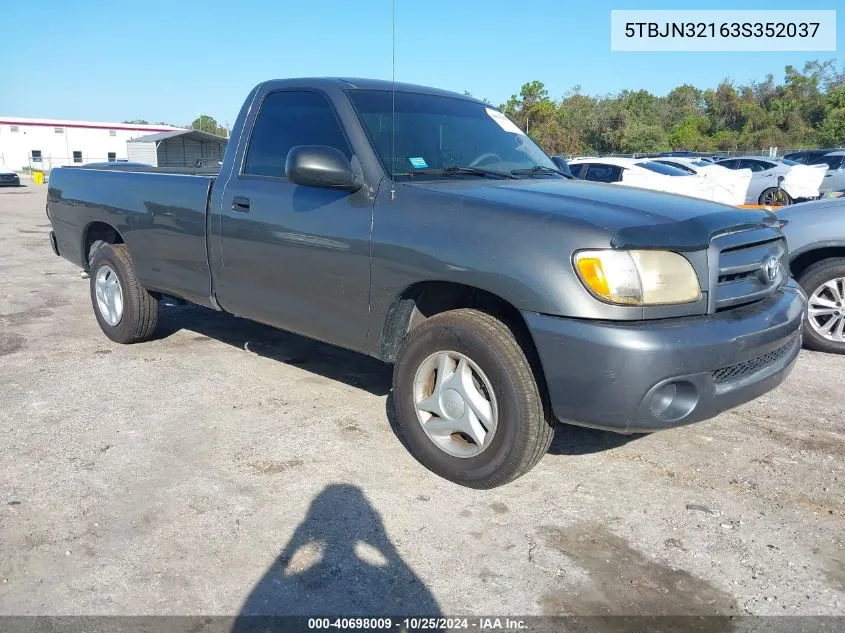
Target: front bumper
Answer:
[[643, 376]]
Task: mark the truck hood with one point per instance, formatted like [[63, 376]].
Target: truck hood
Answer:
[[632, 217]]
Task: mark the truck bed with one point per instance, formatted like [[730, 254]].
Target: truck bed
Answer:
[[162, 216], [210, 170]]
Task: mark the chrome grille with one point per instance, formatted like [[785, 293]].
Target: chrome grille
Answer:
[[737, 371], [744, 272]]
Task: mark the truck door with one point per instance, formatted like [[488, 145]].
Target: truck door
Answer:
[[291, 256]]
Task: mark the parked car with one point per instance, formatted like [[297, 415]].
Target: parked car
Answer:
[[815, 232], [651, 174], [807, 155], [684, 154], [834, 177], [9, 178], [443, 240], [799, 183], [734, 182]]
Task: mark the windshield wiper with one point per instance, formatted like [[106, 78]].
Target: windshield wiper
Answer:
[[537, 169], [472, 171]]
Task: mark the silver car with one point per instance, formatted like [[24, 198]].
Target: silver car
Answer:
[[834, 177], [767, 178]]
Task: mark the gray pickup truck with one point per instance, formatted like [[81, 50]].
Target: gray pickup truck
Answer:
[[425, 229]]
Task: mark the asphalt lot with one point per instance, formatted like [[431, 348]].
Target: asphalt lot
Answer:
[[231, 468]]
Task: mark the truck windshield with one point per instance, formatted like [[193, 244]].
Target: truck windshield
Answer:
[[434, 133]]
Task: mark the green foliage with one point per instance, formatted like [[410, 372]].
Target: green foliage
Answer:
[[832, 130], [807, 108], [204, 123]]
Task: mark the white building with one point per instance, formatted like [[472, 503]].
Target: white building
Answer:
[[47, 143]]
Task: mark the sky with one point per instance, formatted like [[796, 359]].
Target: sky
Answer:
[[174, 60]]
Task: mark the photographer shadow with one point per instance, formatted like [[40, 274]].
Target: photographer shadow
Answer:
[[339, 562]]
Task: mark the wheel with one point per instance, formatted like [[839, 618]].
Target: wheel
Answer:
[[126, 312], [774, 196], [467, 402], [824, 325]]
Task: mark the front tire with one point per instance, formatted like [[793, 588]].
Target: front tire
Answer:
[[467, 402], [824, 324], [774, 197], [126, 312]]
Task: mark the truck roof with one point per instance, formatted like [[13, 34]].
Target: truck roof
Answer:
[[357, 83]]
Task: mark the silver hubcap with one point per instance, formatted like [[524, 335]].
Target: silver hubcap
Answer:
[[826, 310], [109, 295], [455, 404]]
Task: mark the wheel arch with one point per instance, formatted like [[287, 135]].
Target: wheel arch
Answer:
[[422, 300], [801, 260], [98, 231]]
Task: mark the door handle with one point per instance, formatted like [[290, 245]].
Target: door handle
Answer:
[[241, 204]]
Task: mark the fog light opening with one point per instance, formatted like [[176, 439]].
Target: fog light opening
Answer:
[[674, 400]]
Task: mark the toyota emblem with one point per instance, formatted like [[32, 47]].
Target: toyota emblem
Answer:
[[771, 266]]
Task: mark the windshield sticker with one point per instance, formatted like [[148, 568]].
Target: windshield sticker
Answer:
[[418, 162], [504, 122]]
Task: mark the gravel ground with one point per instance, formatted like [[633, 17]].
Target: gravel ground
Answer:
[[231, 468]]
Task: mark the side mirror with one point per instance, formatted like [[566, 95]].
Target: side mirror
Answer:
[[320, 166]]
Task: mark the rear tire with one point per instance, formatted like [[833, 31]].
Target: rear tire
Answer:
[[494, 362], [813, 281], [774, 196], [129, 314]]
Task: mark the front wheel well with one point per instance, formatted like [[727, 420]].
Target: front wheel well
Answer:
[[426, 299], [98, 232], [803, 261]]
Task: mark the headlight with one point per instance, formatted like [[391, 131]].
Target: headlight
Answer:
[[638, 277]]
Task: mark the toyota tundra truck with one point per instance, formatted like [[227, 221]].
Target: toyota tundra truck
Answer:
[[425, 229]]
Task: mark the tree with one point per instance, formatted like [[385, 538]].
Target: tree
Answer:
[[690, 134], [204, 123], [681, 102], [137, 122], [806, 107], [642, 137]]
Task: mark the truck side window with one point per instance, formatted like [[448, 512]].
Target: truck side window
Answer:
[[287, 119]]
